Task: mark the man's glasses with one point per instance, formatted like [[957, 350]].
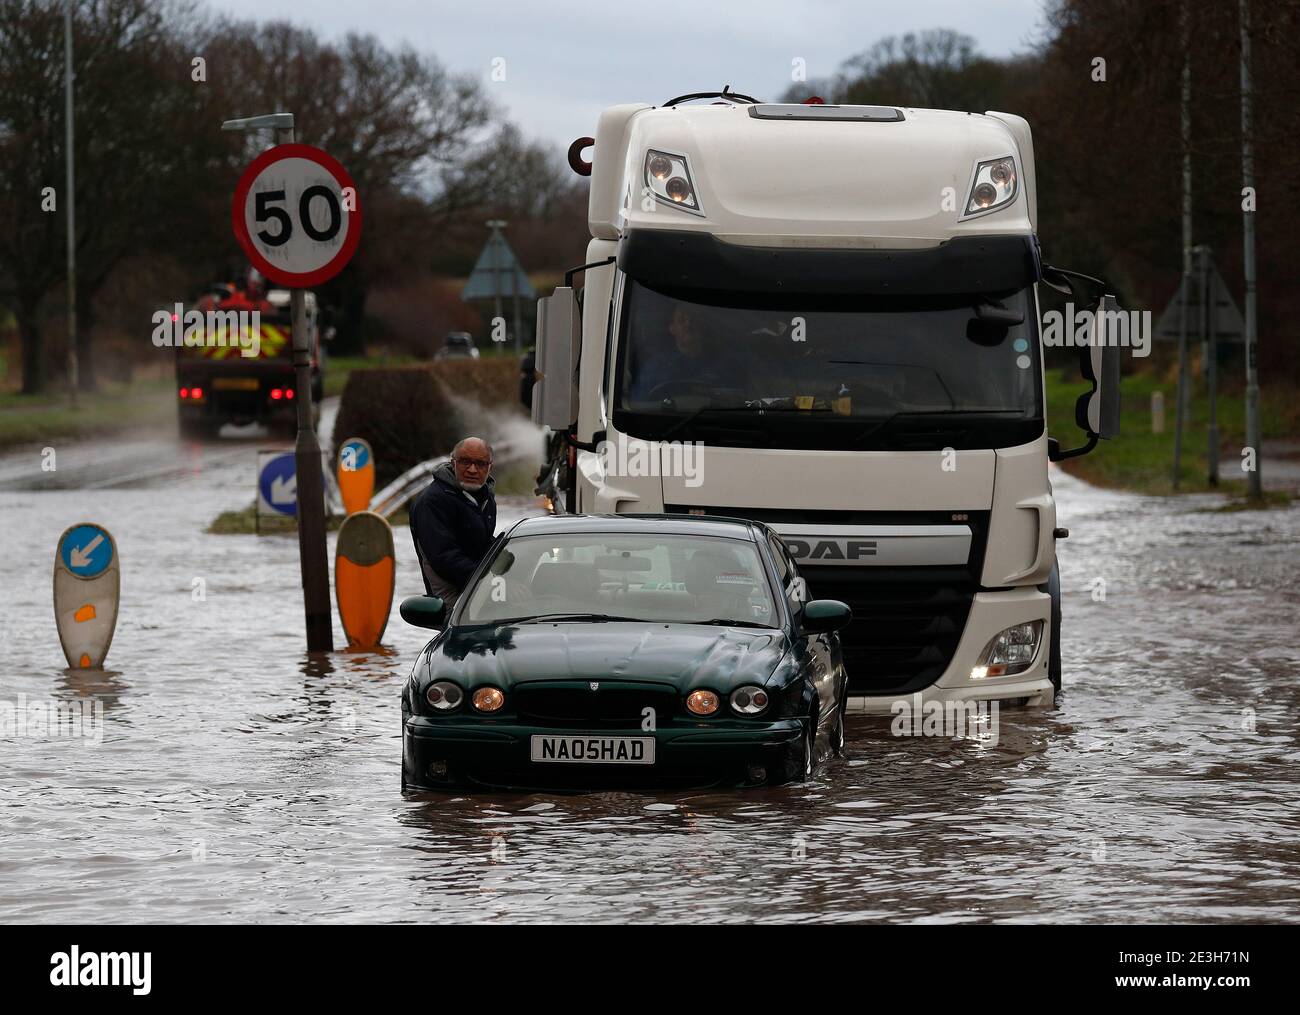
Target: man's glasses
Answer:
[[473, 463]]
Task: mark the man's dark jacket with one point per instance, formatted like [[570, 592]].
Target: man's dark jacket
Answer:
[[452, 528]]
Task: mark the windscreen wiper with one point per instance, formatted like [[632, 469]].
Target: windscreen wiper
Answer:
[[595, 618], [730, 622], [940, 416]]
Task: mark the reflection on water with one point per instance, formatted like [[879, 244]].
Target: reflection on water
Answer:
[[241, 779]]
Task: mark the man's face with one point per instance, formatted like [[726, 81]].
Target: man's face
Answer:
[[680, 327], [472, 464]]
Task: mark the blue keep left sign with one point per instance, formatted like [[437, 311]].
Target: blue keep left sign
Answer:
[[86, 550], [355, 455], [277, 484]]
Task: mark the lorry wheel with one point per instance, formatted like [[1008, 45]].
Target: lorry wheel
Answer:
[[1054, 647]]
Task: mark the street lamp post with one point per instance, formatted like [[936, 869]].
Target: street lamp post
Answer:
[[307, 455], [70, 203]]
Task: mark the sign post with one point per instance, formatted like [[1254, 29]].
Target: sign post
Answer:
[[296, 214]]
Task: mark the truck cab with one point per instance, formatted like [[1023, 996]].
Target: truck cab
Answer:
[[826, 318]]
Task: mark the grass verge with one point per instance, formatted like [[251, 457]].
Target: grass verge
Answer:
[[44, 419], [1141, 460]]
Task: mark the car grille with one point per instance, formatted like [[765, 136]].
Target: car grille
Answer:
[[578, 705]]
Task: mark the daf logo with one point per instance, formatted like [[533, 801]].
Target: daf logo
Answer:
[[831, 549], [594, 685]]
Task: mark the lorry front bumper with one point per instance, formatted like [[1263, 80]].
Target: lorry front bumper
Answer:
[[990, 613]]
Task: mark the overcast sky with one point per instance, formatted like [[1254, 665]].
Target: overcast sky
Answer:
[[565, 61]]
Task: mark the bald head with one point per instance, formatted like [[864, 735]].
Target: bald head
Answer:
[[472, 460]]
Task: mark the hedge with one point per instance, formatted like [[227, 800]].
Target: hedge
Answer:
[[410, 414]]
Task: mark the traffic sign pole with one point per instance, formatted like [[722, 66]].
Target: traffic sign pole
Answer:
[[1212, 371], [312, 557], [1254, 479], [276, 218]]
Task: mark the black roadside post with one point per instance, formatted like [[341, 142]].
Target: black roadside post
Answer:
[[307, 453]]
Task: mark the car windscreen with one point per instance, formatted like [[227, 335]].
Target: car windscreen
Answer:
[[828, 372], [652, 577]]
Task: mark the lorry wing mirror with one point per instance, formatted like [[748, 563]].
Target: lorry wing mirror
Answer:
[[1097, 411], [559, 327]]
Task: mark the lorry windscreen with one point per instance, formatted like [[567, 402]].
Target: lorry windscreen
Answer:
[[850, 373]]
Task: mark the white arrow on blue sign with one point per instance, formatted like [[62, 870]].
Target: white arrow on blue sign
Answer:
[[86, 550], [277, 483]]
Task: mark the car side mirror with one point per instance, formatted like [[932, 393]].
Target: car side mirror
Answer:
[[559, 333], [823, 615], [424, 611]]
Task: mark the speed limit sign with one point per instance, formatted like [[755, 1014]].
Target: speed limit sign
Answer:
[[296, 215]]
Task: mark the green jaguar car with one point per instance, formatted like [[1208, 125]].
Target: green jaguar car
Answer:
[[592, 651]]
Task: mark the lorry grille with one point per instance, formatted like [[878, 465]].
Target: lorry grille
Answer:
[[902, 637], [578, 705]]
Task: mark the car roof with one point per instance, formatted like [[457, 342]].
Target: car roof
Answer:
[[687, 525]]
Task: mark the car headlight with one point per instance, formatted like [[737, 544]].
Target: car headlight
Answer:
[[489, 699], [443, 695], [1012, 651], [702, 703], [995, 186], [669, 178], [749, 700]]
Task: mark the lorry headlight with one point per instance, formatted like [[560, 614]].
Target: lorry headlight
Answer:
[[1011, 651], [994, 186], [669, 178]]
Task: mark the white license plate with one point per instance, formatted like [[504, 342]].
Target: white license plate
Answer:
[[595, 750]]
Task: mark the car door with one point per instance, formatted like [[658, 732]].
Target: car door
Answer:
[[821, 651]]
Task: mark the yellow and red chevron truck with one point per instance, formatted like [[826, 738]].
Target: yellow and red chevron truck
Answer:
[[234, 360]]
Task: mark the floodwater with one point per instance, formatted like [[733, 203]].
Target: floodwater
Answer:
[[238, 780]]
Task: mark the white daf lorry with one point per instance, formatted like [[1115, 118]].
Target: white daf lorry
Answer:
[[826, 318]]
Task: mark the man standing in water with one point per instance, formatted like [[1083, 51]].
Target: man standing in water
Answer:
[[454, 521]]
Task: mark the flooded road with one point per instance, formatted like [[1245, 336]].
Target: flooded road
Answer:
[[239, 781]]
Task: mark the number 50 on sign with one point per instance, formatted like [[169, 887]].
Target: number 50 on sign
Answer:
[[296, 215]]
